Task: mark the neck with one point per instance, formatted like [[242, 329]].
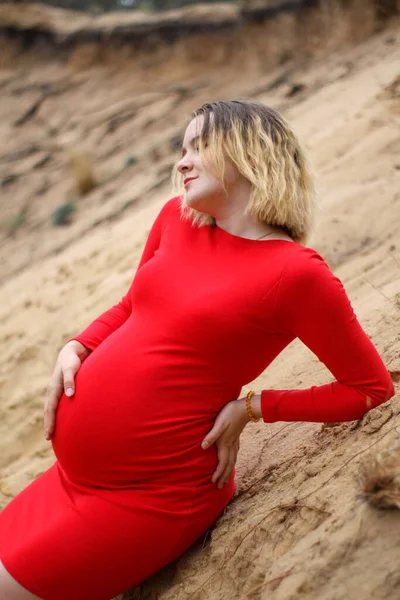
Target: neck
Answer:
[[244, 226], [232, 215]]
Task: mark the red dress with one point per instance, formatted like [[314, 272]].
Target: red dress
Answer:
[[206, 313]]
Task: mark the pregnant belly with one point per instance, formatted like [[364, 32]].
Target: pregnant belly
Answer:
[[127, 424]]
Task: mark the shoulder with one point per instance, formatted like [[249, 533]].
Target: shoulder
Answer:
[[173, 205], [169, 211], [306, 273], [310, 293], [304, 263]]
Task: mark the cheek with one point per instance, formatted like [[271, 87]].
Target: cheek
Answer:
[[210, 178], [211, 185], [231, 175]]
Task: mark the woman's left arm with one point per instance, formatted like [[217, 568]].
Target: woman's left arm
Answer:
[[313, 306]]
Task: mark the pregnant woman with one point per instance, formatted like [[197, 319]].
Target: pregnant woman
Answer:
[[147, 439]]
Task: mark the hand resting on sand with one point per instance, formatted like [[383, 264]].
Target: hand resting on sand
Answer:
[[68, 363]]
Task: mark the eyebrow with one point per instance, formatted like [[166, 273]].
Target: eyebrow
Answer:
[[191, 142]]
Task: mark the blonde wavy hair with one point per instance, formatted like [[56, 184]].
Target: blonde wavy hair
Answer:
[[265, 150]]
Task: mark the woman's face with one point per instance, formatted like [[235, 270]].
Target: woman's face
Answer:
[[203, 190]]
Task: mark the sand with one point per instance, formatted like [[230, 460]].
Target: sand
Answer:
[[300, 527]]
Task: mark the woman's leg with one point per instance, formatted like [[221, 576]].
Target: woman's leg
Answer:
[[11, 589]]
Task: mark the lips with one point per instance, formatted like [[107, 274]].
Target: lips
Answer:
[[188, 180]]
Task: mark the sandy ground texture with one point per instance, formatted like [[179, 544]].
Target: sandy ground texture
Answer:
[[299, 528]]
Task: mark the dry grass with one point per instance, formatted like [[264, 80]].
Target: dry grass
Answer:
[[380, 478], [82, 170]]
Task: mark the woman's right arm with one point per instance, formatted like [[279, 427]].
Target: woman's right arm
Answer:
[[113, 318], [78, 348]]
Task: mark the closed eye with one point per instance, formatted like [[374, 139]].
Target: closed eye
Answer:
[[195, 144]]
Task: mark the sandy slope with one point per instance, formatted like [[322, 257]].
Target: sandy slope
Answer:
[[297, 529]]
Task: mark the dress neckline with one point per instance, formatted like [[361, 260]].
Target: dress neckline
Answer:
[[242, 240]]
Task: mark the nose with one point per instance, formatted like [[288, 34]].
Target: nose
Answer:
[[184, 165]]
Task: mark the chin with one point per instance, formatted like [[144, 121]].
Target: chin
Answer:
[[200, 203]]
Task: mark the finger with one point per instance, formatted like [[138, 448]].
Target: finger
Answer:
[[54, 391], [213, 435], [69, 380], [50, 417], [51, 409], [223, 457], [228, 469]]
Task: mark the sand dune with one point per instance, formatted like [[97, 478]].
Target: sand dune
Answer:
[[299, 527]]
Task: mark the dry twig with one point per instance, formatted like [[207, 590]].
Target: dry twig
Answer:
[[258, 587]]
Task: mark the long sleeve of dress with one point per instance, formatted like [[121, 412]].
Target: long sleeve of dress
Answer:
[[113, 318], [313, 306]]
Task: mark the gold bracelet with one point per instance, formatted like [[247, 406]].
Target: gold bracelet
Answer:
[[249, 395]]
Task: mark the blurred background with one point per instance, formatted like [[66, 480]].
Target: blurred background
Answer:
[[151, 5], [94, 98]]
